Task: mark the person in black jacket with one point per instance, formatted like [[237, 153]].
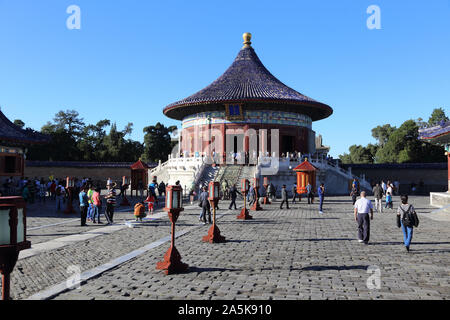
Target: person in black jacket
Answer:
[[206, 207], [294, 193], [284, 197], [407, 219], [233, 194], [378, 194]]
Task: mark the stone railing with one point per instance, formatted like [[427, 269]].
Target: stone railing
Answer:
[[285, 164], [179, 164]]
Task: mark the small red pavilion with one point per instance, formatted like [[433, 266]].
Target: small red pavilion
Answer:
[[139, 173], [306, 173]]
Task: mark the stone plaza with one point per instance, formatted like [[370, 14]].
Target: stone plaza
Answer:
[[281, 254]]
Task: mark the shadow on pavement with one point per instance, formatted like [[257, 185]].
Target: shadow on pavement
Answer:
[[200, 270], [339, 268]]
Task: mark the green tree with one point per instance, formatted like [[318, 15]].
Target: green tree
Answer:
[[157, 142], [70, 121], [91, 145], [382, 133], [404, 146], [437, 116], [360, 154]]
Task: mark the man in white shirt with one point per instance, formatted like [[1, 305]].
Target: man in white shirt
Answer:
[[363, 207]]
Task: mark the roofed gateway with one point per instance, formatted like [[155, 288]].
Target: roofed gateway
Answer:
[[13, 143], [247, 96]]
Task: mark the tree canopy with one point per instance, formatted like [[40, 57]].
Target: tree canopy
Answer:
[[73, 140], [398, 145], [157, 142]]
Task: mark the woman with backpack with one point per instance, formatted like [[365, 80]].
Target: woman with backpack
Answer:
[[407, 219]]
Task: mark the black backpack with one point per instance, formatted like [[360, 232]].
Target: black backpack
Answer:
[[408, 219]]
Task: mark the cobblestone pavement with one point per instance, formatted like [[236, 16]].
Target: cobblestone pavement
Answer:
[[281, 254]]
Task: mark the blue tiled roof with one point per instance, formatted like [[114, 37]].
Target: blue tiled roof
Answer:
[[248, 80], [434, 132], [10, 133]]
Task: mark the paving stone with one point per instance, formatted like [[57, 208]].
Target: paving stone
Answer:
[[281, 254]]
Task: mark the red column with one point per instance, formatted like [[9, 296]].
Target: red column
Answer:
[[246, 138], [224, 142], [448, 168]]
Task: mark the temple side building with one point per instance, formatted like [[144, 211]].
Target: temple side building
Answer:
[[440, 135], [13, 146]]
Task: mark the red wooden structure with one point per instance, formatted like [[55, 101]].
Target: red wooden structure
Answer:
[[139, 172], [214, 235], [172, 259], [306, 173], [13, 224]]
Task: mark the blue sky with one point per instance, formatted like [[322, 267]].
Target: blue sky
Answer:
[[132, 58]]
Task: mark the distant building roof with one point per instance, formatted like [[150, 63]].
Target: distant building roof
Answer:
[[439, 134], [246, 81], [139, 165], [11, 133], [305, 166]]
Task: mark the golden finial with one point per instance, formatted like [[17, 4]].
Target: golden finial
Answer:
[[247, 37]]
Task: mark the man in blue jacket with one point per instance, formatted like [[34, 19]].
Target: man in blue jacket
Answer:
[[321, 193], [84, 204]]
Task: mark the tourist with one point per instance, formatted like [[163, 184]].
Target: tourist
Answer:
[[150, 202], [251, 197], [269, 190], [139, 211], [310, 193], [354, 195], [53, 190], [225, 189], [363, 207], [84, 204], [389, 188], [42, 191], [111, 201], [356, 184], [413, 187], [407, 219], [162, 188], [273, 192], [152, 188], [32, 190], [25, 193], [397, 187], [59, 195], [378, 194], [204, 204], [233, 194], [294, 193], [90, 211], [389, 203], [384, 187], [321, 193], [284, 197], [97, 203]]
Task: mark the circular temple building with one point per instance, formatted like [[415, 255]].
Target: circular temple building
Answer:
[[247, 110]]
